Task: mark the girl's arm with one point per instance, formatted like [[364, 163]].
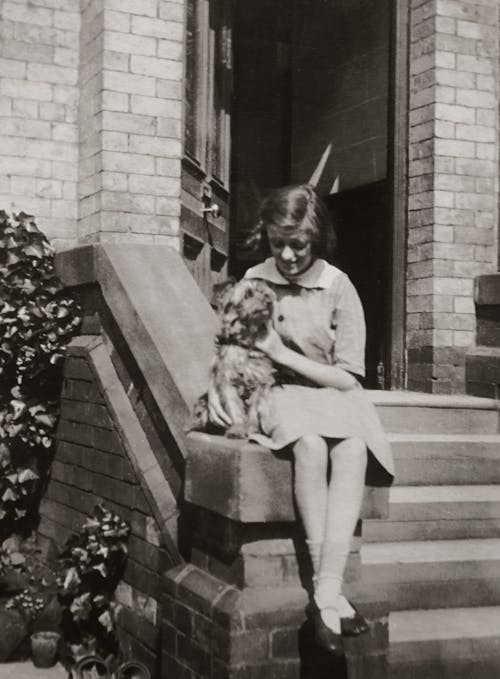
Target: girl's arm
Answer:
[[322, 374]]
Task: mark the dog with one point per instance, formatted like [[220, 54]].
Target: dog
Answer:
[[241, 375]]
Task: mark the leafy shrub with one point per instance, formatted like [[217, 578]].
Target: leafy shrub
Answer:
[[37, 320], [93, 562]]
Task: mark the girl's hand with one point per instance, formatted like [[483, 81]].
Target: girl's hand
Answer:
[[216, 413], [271, 344], [323, 375]]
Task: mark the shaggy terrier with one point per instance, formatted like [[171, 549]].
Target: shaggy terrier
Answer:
[[240, 374]]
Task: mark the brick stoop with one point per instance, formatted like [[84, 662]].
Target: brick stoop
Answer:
[[236, 609]]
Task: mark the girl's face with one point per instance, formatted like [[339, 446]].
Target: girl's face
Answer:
[[291, 249]]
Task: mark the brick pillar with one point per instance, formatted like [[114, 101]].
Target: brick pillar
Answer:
[[130, 115], [453, 170]]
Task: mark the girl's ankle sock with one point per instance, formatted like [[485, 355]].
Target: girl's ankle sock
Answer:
[[331, 573]]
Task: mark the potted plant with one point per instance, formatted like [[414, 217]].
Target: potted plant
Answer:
[[93, 562]]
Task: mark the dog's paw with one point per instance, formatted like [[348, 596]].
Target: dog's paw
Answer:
[[198, 419]]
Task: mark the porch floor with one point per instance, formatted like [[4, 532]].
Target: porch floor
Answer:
[[26, 670]]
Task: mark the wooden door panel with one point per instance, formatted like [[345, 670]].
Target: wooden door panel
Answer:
[[206, 164]]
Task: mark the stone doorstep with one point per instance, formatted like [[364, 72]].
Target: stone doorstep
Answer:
[[410, 503], [444, 635], [438, 513], [407, 399], [433, 574], [434, 559], [445, 459]]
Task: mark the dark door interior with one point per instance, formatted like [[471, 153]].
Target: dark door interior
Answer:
[[311, 98], [363, 224]]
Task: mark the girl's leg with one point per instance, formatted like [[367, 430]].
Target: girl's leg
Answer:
[[311, 462], [345, 496]]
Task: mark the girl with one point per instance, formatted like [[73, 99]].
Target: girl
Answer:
[[322, 412]]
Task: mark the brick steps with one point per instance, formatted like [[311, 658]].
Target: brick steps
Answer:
[[437, 555], [438, 512], [434, 573], [457, 643], [407, 412], [425, 459]]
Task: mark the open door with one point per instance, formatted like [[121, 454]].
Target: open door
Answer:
[[206, 163]]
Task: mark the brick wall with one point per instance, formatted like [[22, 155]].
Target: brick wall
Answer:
[[91, 465], [131, 110], [38, 113], [453, 188], [122, 100]]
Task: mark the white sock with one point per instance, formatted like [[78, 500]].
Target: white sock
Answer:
[[329, 583], [345, 610]]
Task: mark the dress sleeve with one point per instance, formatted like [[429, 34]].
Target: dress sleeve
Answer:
[[350, 330]]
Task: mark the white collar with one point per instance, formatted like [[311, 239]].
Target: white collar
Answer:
[[319, 275]]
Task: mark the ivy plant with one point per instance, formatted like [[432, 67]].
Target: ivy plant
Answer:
[[37, 320]]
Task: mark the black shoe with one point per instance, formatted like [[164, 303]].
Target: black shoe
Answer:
[[354, 625], [325, 637]]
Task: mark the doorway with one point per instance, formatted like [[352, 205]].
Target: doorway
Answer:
[[313, 99]]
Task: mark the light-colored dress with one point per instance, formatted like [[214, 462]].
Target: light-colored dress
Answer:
[[320, 315]]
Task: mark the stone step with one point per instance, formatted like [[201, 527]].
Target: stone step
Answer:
[[438, 513], [428, 459], [456, 643], [434, 573], [404, 412]]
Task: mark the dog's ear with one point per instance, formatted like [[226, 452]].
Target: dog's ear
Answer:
[[219, 291], [262, 287]]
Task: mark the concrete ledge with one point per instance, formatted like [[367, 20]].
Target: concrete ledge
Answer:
[[248, 483], [154, 484], [164, 318]]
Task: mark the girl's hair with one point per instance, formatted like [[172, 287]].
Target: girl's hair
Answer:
[[293, 207]]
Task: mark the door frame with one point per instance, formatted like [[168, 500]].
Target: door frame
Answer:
[[398, 180]]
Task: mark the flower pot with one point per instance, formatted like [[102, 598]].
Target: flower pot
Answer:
[[133, 670], [44, 648], [91, 666]]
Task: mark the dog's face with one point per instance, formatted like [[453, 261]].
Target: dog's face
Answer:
[[245, 310]]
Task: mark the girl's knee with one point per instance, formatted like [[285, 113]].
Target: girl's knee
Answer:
[[311, 450], [352, 450]]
